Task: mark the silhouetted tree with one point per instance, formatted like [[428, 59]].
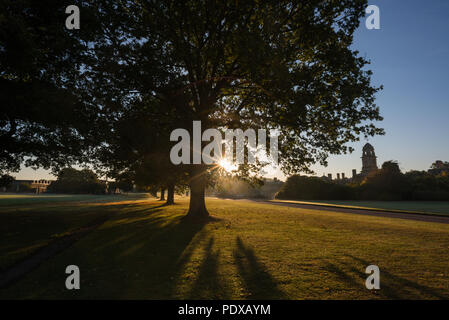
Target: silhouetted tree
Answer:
[[43, 120], [71, 180], [388, 183], [6, 180], [314, 188], [237, 64], [427, 186]]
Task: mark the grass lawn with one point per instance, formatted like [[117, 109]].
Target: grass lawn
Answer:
[[29, 222], [8, 199], [438, 207], [251, 251]]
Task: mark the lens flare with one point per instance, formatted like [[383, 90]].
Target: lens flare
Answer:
[[227, 165]]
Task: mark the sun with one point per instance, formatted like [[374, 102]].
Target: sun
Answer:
[[227, 165]]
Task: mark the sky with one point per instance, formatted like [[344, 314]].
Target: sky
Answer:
[[409, 56]]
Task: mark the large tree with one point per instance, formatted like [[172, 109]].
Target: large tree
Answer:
[[43, 120], [277, 65], [242, 64]]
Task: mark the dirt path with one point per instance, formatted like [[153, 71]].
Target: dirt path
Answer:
[[35, 259], [367, 212]]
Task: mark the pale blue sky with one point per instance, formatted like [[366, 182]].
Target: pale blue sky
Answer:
[[410, 57]]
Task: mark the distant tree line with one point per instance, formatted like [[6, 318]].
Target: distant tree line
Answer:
[[387, 183], [6, 182], [86, 181], [77, 181], [313, 188]]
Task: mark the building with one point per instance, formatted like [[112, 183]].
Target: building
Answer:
[[38, 186], [369, 164], [369, 160]]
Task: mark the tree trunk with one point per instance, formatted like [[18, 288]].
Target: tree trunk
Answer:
[[170, 194], [162, 194], [197, 208]]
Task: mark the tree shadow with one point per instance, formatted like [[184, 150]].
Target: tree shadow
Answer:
[[163, 256], [391, 286], [208, 285], [134, 208], [139, 253], [257, 280], [342, 275], [395, 287]]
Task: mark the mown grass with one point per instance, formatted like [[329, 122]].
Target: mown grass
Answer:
[[438, 207], [250, 251], [8, 199], [29, 222]]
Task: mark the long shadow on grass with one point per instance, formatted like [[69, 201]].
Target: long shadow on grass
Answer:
[[395, 287], [145, 252], [343, 276], [208, 285], [392, 287], [141, 252], [257, 280]]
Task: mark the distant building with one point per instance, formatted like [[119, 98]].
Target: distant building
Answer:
[[369, 160], [369, 164], [39, 186]]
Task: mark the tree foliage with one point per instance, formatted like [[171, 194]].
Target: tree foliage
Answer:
[[43, 120], [313, 188], [276, 65], [143, 68], [6, 180]]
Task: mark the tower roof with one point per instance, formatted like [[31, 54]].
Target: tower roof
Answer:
[[368, 146]]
